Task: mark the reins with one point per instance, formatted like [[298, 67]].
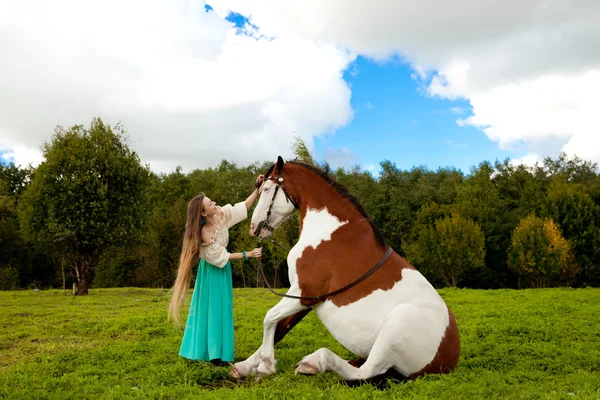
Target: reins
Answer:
[[323, 296]]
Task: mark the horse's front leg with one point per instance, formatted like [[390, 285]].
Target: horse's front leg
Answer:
[[263, 360]]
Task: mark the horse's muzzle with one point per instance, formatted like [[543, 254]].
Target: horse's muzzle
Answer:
[[263, 227]]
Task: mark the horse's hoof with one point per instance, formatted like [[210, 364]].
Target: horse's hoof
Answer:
[[235, 372], [259, 376], [306, 368], [265, 369]]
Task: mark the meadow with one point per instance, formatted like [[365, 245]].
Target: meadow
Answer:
[[117, 344]]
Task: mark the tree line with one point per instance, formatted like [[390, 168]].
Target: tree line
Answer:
[[93, 214]]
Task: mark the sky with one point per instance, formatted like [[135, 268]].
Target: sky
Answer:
[[419, 83]]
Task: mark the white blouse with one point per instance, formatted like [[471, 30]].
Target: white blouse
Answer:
[[214, 252]]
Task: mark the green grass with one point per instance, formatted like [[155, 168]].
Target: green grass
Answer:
[[116, 343]]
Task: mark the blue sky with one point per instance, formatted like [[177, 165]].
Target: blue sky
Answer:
[[394, 121], [4, 157]]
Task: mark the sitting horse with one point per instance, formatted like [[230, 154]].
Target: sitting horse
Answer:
[[370, 299]]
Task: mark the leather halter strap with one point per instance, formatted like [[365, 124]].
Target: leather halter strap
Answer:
[[264, 224], [338, 291]]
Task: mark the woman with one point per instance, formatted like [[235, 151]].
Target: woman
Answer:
[[208, 333]]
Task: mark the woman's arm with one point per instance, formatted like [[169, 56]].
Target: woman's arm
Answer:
[[251, 199], [254, 195], [255, 253]]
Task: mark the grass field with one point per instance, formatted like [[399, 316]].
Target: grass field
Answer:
[[116, 343]]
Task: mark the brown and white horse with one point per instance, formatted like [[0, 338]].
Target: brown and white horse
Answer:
[[393, 318]]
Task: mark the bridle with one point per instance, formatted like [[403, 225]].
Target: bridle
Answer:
[[264, 224]]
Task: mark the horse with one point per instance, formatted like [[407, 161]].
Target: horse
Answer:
[[371, 300]]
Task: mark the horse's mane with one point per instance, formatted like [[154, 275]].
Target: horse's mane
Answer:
[[342, 191]]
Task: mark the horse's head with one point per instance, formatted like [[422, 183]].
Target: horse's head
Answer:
[[274, 205]]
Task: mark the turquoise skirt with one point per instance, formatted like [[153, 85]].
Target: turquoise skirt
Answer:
[[208, 332]]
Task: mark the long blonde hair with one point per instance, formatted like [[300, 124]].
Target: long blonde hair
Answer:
[[190, 254]]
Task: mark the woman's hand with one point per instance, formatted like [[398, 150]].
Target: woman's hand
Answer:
[[255, 253], [259, 181], [255, 193]]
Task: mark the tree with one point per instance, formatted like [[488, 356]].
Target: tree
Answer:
[[18, 256], [448, 248], [478, 199], [301, 151], [572, 207], [11, 243], [539, 254], [159, 255], [88, 195], [15, 179], [574, 170], [401, 194]]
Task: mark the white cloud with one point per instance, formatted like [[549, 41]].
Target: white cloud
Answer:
[[372, 169], [531, 70], [343, 157], [459, 110], [192, 92], [559, 107], [22, 155], [528, 160], [369, 167], [188, 90]]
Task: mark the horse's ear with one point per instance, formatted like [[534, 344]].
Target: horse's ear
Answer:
[[280, 163]]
